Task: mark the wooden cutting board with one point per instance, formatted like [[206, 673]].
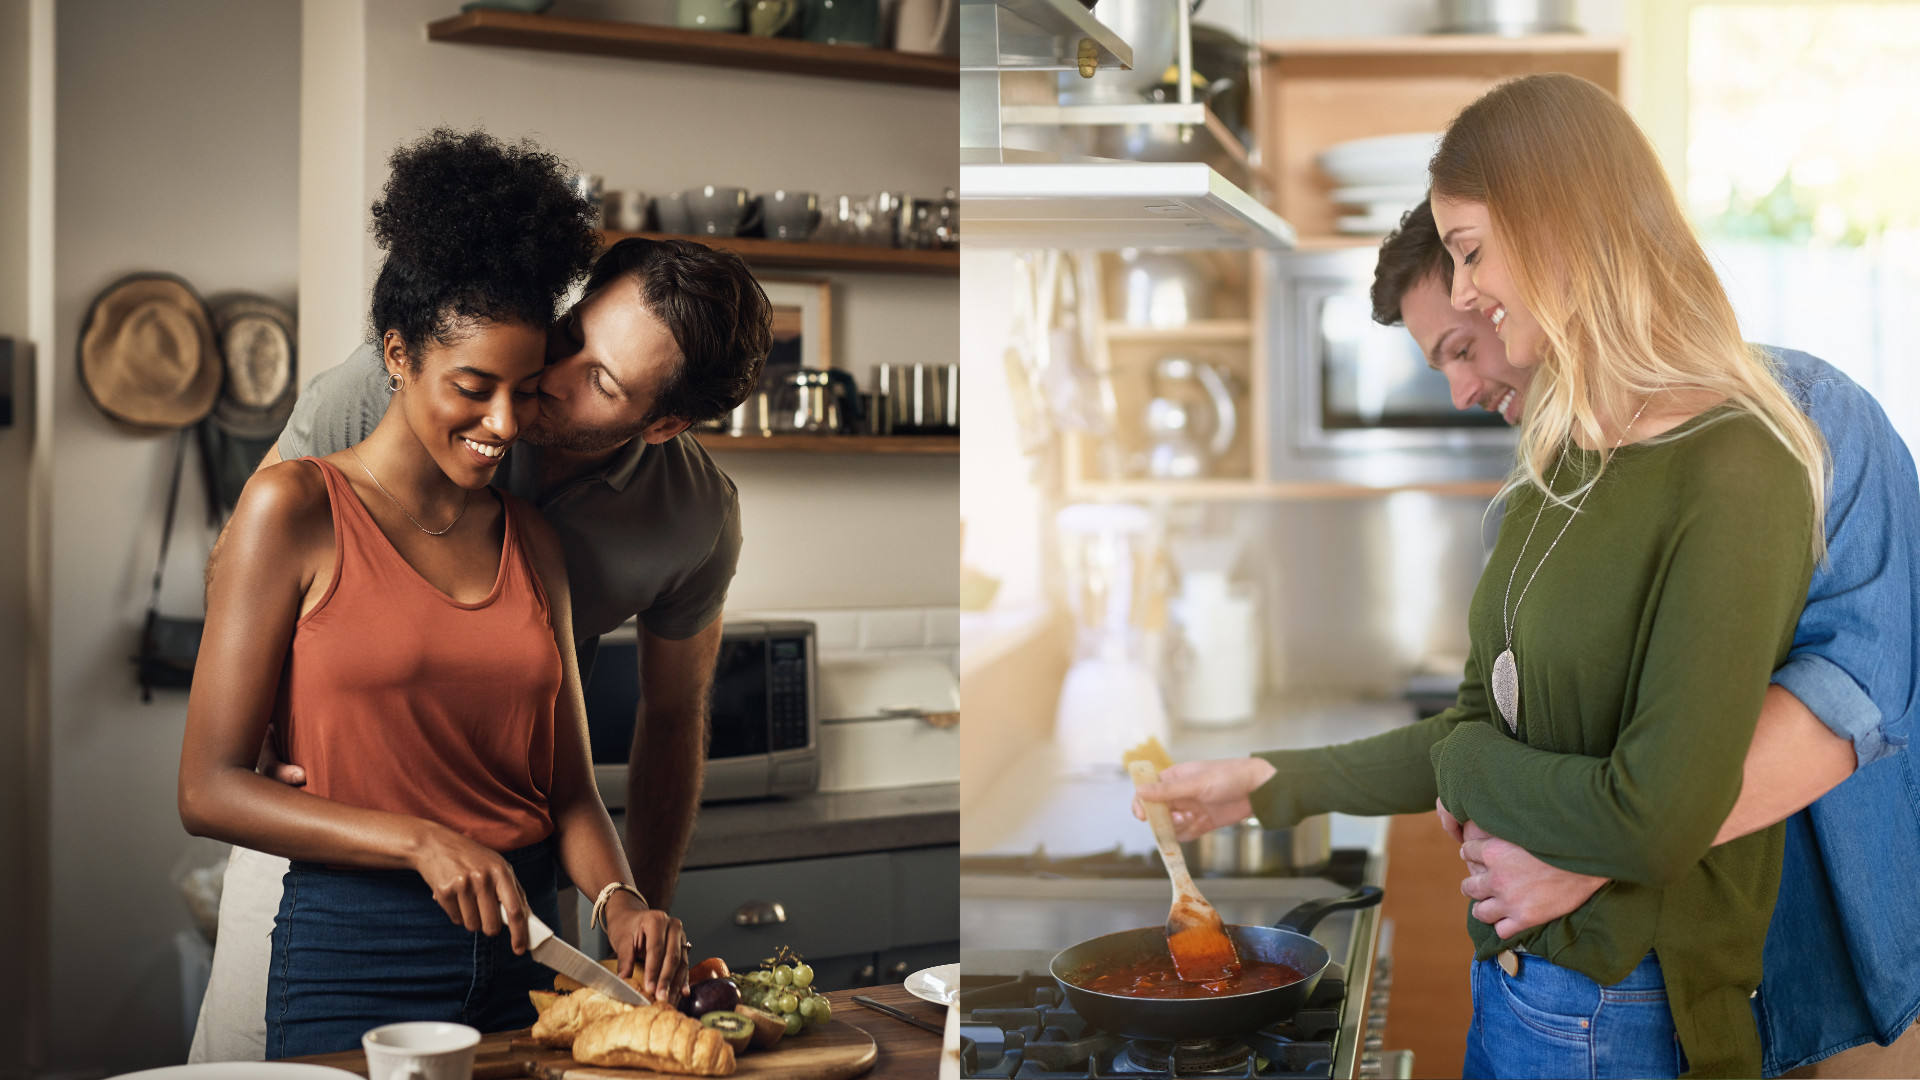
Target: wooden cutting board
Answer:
[[834, 1051]]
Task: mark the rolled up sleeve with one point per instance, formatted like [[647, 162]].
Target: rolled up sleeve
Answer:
[[1839, 703], [1857, 646]]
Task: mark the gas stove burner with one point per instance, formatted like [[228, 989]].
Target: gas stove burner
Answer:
[[1201, 1058], [1023, 1028]]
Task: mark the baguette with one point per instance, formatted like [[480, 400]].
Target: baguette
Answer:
[[565, 1018], [657, 1038]]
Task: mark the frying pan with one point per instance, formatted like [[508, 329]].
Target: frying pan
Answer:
[[1175, 1019]]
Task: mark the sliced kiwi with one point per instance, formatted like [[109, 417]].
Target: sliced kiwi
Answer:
[[767, 1027], [733, 1027]]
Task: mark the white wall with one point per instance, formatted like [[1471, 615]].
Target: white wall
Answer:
[[16, 800], [820, 532], [177, 146]]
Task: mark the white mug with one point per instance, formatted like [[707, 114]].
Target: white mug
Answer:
[[421, 1050]]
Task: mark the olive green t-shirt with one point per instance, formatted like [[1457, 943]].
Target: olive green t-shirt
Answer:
[[654, 532], [1644, 648]]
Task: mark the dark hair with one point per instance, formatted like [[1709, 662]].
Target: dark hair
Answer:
[[475, 229], [1407, 256], [716, 311]]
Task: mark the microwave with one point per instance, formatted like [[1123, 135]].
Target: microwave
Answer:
[[1354, 402], [762, 713]]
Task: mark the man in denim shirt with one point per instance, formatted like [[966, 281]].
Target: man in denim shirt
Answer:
[[1842, 962]]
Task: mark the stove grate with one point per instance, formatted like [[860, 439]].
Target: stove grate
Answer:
[[1022, 1029]]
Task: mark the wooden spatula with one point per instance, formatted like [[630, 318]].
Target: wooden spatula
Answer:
[[1202, 951]]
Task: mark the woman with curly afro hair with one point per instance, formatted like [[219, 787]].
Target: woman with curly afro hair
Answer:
[[404, 629]]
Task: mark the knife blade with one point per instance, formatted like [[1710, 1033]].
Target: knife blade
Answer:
[[555, 953]]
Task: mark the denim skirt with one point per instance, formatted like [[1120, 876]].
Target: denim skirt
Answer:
[[1550, 1021], [355, 949]]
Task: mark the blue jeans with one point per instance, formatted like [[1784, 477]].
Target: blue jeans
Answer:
[[355, 949], [1551, 1021]]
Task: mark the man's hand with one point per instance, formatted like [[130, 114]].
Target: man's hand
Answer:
[[273, 768], [650, 943], [1512, 890], [1206, 795], [1448, 822]]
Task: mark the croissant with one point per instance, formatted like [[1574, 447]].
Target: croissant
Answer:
[[657, 1038], [562, 1021]]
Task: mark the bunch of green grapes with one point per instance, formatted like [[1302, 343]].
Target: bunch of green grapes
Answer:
[[783, 986]]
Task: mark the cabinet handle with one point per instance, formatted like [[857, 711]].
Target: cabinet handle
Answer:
[[898, 970], [760, 913], [864, 976]]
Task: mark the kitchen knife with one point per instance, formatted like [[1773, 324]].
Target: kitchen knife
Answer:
[[571, 962]]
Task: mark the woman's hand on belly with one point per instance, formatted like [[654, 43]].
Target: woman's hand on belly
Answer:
[[472, 883], [1513, 891]]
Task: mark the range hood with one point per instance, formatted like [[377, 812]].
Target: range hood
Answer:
[[1028, 199], [1020, 198]]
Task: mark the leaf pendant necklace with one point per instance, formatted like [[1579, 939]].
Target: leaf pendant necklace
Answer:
[[1506, 669]]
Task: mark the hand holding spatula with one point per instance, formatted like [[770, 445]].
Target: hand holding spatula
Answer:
[[1202, 951]]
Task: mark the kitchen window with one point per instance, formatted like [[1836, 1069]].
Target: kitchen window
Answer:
[[1793, 132]]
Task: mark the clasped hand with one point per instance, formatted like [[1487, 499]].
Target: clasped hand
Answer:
[[1512, 890]]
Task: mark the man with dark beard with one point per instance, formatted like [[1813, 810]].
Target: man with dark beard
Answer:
[[668, 333]]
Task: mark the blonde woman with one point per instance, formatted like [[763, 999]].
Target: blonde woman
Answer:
[[1659, 535]]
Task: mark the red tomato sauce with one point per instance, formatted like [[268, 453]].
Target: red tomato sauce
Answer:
[[1154, 977]]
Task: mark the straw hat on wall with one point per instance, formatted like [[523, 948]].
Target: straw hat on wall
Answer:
[[148, 355]]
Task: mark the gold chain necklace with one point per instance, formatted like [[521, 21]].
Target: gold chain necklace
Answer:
[[416, 521]]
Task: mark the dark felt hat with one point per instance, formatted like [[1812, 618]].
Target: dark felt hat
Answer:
[[256, 337]]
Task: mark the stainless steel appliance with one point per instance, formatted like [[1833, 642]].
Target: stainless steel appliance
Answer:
[[1355, 402], [762, 713], [1017, 912]]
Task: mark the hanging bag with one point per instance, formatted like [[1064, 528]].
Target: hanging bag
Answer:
[[168, 646]]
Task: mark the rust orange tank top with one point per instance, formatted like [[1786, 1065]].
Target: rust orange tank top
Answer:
[[398, 697]]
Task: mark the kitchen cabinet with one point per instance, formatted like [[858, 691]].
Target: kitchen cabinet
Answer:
[[854, 918], [1322, 92], [1315, 93]]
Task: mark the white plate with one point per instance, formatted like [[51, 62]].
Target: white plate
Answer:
[[1404, 195], [240, 1070], [940, 985]]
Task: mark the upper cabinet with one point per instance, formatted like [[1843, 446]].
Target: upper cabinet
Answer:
[[1323, 92]]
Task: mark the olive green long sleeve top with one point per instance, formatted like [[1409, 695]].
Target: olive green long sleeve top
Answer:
[[1644, 648]]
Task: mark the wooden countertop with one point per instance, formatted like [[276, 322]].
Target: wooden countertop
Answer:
[[905, 1052]]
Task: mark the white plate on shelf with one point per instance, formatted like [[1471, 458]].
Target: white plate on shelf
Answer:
[[940, 985]]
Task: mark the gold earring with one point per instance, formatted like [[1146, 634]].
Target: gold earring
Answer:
[[393, 383]]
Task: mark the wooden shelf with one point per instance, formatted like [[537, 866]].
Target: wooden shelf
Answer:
[[1443, 45], [792, 253], [921, 445], [1258, 491], [1198, 330], [1339, 242], [643, 41]]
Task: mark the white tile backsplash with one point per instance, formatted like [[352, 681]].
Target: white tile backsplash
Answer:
[[895, 628], [846, 633]]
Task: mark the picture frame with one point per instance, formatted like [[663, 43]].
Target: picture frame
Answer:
[[802, 321]]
